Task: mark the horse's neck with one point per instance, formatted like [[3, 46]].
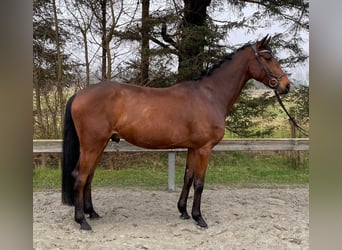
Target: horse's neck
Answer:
[[227, 81]]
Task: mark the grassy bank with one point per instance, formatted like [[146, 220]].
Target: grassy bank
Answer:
[[149, 170]]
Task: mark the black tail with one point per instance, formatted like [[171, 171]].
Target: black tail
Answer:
[[71, 154]]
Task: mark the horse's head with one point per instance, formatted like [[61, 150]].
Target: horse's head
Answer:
[[266, 69]]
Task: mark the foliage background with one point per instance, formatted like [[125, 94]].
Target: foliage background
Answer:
[[153, 43]]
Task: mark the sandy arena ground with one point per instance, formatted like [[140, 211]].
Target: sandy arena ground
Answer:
[[238, 218]]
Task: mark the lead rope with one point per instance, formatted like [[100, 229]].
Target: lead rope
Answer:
[[300, 129]]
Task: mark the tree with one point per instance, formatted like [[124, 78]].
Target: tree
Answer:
[[298, 99], [52, 69], [188, 43], [168, 43], [292, 15], [251, 115], [193, 39], [59, 66], [106, 24], [82, 17], [44, 66]]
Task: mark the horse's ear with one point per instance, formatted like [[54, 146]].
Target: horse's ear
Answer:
[[268, 40], [263, 42]]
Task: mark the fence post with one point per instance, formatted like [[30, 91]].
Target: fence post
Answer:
[[171, 171], [44, 161]]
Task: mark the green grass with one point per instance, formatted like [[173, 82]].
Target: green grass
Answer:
[[150, 171]]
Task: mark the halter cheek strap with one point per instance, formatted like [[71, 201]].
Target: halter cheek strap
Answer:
[[273, 79]]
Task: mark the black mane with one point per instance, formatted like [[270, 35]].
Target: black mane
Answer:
[[227, 57]]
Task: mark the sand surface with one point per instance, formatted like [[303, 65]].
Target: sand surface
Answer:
[[238, 218]]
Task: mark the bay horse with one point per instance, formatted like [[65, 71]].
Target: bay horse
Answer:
[[190, 114]]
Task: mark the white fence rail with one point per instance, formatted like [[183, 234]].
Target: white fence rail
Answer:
[[297, 144]]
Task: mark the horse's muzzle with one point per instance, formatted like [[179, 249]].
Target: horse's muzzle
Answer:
[[285, 90]]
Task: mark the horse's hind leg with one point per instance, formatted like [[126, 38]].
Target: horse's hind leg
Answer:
[[83, 175], [88, 204]]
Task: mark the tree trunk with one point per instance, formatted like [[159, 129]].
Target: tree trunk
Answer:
[[36, 85], [86, 57], [109, 60], [104, 40], [193, 39], [60, 85], [145, 45]]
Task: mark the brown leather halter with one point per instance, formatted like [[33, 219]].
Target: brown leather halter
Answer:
[[273, 79]]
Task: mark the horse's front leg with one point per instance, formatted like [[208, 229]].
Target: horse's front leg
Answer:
[[188, 179], [202, 156]]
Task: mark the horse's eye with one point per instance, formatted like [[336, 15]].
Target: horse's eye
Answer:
[[268, 57]]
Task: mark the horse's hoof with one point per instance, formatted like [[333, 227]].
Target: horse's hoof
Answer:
[[201, 222], [94, 215], [85, 226], [184, 216]]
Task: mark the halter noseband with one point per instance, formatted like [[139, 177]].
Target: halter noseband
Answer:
[[273, 79]]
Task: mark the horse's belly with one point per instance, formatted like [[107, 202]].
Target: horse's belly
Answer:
[[156, 138]]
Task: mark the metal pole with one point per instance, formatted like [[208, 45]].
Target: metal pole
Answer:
[[171, 170]]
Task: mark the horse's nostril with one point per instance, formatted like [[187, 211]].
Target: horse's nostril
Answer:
[[288, 87]]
